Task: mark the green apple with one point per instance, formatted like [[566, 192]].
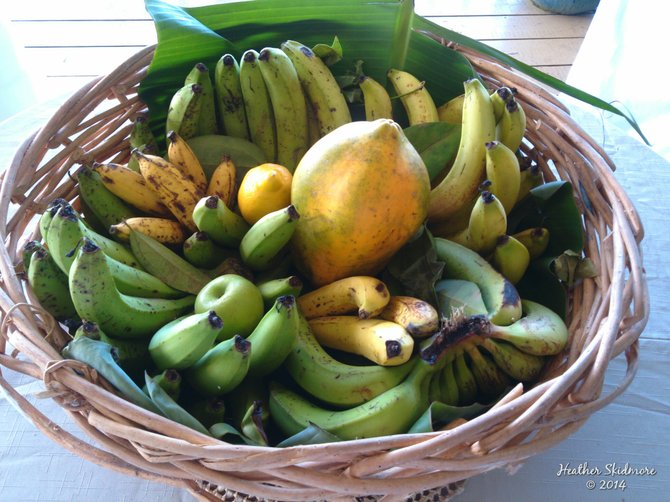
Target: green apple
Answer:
[[236, 300]]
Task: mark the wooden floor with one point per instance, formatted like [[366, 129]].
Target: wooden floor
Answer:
[[62, 45]]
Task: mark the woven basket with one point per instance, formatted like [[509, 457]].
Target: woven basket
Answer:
[[606, 316]]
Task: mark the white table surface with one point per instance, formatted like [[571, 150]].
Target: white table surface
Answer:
[[635, 429]]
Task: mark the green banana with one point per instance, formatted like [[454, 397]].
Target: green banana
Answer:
[[510, 258], [207, 119], [535, 239], [211, 148], [517, 364], [170, 381], [376, 99], [229, 98], [392, 412], [512, 125], [221, 368], [257, 105], [209, 411], [141, 135], [163, 263], [97, 299], [133, 355], [183, 116], [288, 106], [491, 381], [242, 397], [183, 341], [449, 389], [499, 99], [201, 252], [274, 288], [465, 381], [320, 86], [66, 233], [501, 298], [29, 248], [48, 214], [224, 226], [106, 206], [460, 184], [540, 331], [502, 169], [268, 237], [50, 285], [274, 336], [334, 382], [435, 388]]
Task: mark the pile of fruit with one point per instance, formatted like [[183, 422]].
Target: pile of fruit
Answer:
[[264, 274]]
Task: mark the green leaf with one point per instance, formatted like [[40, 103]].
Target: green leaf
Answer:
[[330, 54], [437, 144], [312, 434], [365, 30], [540, 284], [439, 414]]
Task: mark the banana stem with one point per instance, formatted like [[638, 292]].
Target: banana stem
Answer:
[[452, 333]]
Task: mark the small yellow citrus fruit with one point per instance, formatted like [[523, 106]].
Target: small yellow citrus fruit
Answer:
[[264, 189]]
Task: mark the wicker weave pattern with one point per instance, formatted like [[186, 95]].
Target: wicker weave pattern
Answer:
[[607, 315]]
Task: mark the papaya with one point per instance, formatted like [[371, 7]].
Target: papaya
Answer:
[[362, 192]]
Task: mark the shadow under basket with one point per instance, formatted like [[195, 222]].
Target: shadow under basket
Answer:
[[606, 316]]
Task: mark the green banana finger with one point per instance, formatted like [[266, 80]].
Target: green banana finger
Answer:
[[200, 251], [208, 411], [517, 364], [50, 286], [274, 288], [29, 248], [48, 214], [207, 121], [225, 227], [106, 206], [268, 237], [141, 135], [183, 116], [465, 381], [170, 381], [450, 394], [230, 101]]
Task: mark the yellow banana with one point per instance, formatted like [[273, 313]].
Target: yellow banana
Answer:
[[536, 240], [488, 221], [461, 183], [376, 100], [383, 342], [131, 187], [529, 178], [414, 96], [510, 258], [362, 294], [222, 182], [177, 192], [162, 229], [502, 170], [512, 125], [229, 98], [499, 99], [458, 222], [418, 317], [182, 157], [452, 110]]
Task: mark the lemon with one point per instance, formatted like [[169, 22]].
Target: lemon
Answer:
[[264, 189]]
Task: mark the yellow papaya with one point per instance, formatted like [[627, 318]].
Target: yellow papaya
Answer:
[[361, 191]]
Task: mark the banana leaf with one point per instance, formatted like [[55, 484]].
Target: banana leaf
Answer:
[[382, 33]]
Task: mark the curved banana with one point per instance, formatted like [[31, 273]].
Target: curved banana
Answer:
[[178, 193], [418, 317], [414, 96], [529, 178], [228, 91], [465, 381], [207, 119], [452, 110], [48, 215], [499, 294], [223, 182], [170, 381], [376, 99], [540, 331], [512, 125], [392, 412], [516, 363], [499, 99], [97, 299], [448, 386], [183, 114], [181, 342], [131, 187], [467, 172], [288, 106], [382, 342], [491, 380], [27, 252], [208, 411], [365, 295], [510, 258], [274, 288], [142, 136], [502, 170], [535, 239], [334, 382], [221, 368], [225, 227], [274, 336], [50, 285], [488, 222], [321, 88], [258, 106], [162, 229], [200, 251], [267, 238], [106, 206], [184, 159]]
